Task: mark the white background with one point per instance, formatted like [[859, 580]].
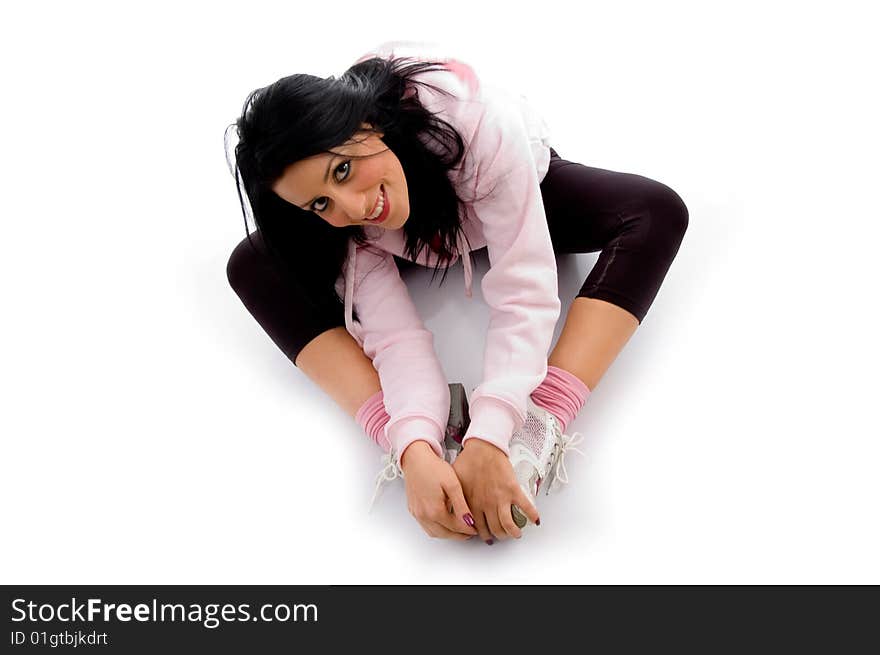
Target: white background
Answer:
[[152, 433]]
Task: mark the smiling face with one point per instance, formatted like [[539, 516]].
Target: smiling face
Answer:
[[345, 191]]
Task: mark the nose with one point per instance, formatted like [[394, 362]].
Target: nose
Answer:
[[353, 204]]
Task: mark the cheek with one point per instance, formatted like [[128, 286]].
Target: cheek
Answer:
[[373, 173], [397, 172], [336, 221]]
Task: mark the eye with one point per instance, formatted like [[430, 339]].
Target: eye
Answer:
[[347, 165]]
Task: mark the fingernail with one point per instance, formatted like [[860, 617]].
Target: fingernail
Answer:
[[538, 522], [489, 542], [469, 519]]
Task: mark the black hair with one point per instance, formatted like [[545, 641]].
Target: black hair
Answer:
[[302, 115]]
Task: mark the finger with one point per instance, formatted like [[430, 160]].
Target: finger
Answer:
[[427, 527], [506, 519], [442, 532], [441, 516], [527, 507], [494, 524], [462, 519], [483, 528]]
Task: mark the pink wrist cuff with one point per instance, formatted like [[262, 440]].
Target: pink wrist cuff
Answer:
[[493, 421], [413, 428]]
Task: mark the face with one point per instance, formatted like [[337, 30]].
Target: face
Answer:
[[345, 191]]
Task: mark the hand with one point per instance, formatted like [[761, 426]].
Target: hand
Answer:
[[490, 487], [431, 487]]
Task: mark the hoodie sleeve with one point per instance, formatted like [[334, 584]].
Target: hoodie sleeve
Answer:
[[521, 285], [392, 334]]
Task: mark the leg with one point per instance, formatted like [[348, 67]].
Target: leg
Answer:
[[319, 345], [336, 363], [638, 224], [594, 334]]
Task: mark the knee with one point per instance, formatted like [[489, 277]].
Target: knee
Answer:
[[662, 220], [670, 213], [244, 264]]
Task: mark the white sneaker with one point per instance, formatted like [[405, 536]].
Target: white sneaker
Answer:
[[537, 454]]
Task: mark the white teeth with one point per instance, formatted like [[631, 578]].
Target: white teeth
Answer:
[[379, 208]]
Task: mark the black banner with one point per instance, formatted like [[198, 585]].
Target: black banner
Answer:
[[283, 619]]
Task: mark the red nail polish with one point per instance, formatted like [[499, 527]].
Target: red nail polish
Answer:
[[489, 542], [538, 522], [469, 520]]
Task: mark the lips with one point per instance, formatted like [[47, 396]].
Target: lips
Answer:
[[385, 209], [376, 204]]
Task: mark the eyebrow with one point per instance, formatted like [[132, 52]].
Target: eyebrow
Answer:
[[308, 205]]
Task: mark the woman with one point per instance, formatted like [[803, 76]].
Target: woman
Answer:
[[409, 156]]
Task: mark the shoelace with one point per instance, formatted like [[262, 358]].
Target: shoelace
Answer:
[[560, 474], [390, 472]]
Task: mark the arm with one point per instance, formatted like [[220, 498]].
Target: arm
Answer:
[[393, 335], [521, 286], [416, 394]]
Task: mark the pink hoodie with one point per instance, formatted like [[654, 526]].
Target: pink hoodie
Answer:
[[507, 148]]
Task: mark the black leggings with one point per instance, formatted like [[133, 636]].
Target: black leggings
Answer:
[[635, 222]]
